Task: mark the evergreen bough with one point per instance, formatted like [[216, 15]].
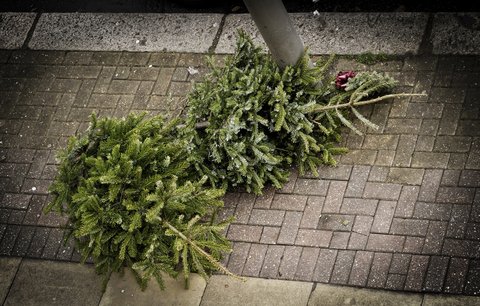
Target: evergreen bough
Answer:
[[132, 203], [260, 120]]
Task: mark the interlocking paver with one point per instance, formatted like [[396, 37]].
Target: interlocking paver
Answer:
[[383, 217], [288, 231], [342, 267], [272, 260], [360, 268], [254, 262], [402, 202], [306, 268], [313, 211], [416, 272], [379, 270], [289, 263], [333, 200]]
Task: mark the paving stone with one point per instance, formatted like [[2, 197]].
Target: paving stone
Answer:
[[458, 221], [339, 240], [253, 292], [455, 195], [38, 242], [363, 224], [430, 185], [457, 273], [473, 231], [472, 285], [359, 206], [23, 241], [357, 241], [358, 180], [8, 241], [334, 197], [248, 233], [340, 172], [16, 217], [265, 199], [318, 238], [452, 144], [470, 178], [432, 211], [400, 263], [385, 142], [435, 237], [385, 157], [379, 270], [425, 110], [270, 235], [405, 176], [387, 243], [430, 160], [425, 143], [48, 281], [395, 281], [289, 229], [383, 217], [384, 191], [290, 261], [437, 269], [413, 245], [244, 207], [409, 227], [311, 187], [289, 202], [449, 122], [308, 260], [360, 268], [272, 261], [15, 200], [450, 178], [336, 222], [255, 259], [406, 201], [416, 273], [359, 157], [342, 267], [238, 257], [403, 126], [266, 217], [378, 174], [313, 211]]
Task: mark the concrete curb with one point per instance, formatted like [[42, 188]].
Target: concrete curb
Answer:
[[324, 33], [63, 283]]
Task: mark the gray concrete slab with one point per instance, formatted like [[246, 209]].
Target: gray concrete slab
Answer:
[[14, 28], [225, 291], [8, 269], [125, 32], [456, 33], [327, 295], [450, 300], [126, 291], [54, 283], [342, 33]]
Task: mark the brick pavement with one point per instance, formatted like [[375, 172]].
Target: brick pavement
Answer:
[[400, 212]]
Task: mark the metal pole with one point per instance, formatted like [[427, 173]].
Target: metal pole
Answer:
[[277, 30]]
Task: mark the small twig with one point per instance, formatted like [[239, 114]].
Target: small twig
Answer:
[[365, 102], [201, 251]]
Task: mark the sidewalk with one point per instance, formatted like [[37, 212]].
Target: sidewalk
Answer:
[[401, 211], [60, 283]]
